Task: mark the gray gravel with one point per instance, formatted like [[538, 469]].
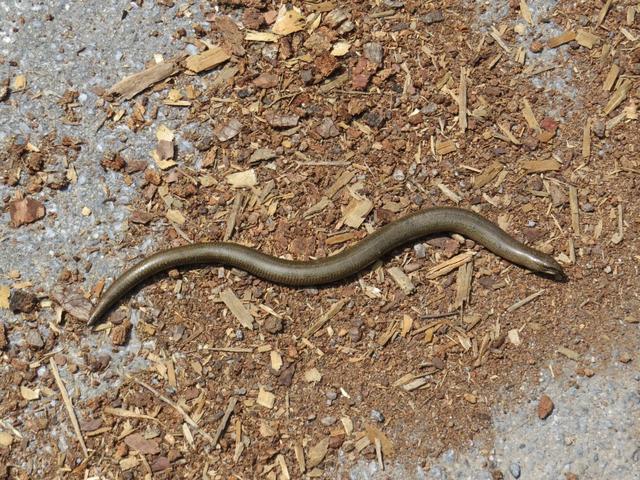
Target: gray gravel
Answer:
[[592, 433]]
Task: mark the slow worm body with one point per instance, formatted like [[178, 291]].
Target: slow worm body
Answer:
[[337, 267]]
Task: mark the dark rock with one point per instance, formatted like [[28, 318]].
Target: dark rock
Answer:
[[22, 301]]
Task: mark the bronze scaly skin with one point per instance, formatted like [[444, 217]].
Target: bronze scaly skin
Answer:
[[337, 267]]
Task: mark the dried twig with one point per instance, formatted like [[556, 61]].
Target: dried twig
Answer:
[[225, 419], [69, 406], [175, 406]]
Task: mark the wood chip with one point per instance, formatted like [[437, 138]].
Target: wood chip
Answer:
[[253, 36], [619, 235], [454, 197], [206, 60], [175, 216], [463, 285], [4, 296], [325, 317], [312, 375], [402, 279], [243, 179], [123, 412], [387, 446], [343, 180], [68, 405], [603, 12], [29, 394], [612, 77], [462, 100], [514, 337], [224, 420], [561, 39], [618, 96], [317, 453], [525, 12], [524, 301], [495, 34], [573, 205], [586, 139], [445, 147], [488, 174], [357, 211], [299, 453], [288, 21], [132, 85], [236, 307], [569, 353], [265, 398], [586, 38], [506, 130], [530, 118], [450, 265], [538, 166]]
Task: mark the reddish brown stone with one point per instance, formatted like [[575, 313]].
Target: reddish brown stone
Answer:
[[545, 407], [24, 211]]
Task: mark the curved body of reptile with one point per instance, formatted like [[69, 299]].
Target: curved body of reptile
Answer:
[[339, 266]]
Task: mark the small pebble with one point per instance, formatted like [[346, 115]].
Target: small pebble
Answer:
[[421, 251], [328, 421], [587, 207], [239, 335], [515, 470], [545, 407], [377, 416], [34, 339], [536, 46], [433, 17], [398, 175], [331, 395], [373, 52]]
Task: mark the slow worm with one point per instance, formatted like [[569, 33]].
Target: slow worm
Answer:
[[337, 267]]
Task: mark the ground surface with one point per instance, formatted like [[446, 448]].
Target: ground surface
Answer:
[[298, 133]]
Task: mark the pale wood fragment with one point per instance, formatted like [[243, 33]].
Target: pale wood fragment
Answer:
[[612, 76], [524, 301], [526, 12], [207, 59], [449, 265], [530, 118], [68, 405], [586, 139], [325, 317], [561, 39], [618, 97], [237, 309], [402, 279], [603, 12], [488, 174], [463, 285], [573, 205], [224, 420], [586, 38], [538, 166], [132, 85], [462, 100]]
